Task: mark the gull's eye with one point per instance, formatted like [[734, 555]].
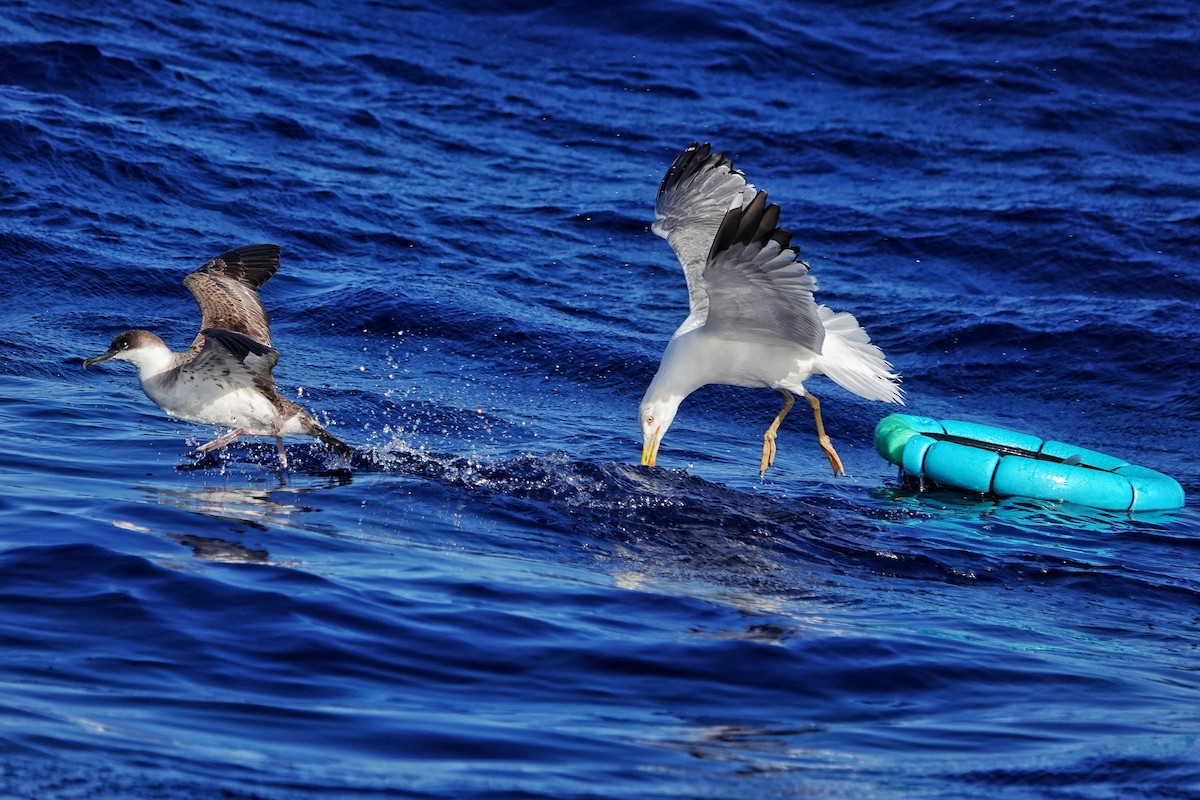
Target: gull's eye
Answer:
[[650, 420]]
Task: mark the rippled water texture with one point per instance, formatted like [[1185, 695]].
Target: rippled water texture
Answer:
[[493, 600]]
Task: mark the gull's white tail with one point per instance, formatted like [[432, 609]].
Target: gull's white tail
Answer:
[[850, 360]]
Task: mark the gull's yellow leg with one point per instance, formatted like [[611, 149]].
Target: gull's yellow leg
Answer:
[[826, 445], [768, 454]]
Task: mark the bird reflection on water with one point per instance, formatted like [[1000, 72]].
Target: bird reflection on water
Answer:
[[258, 508]]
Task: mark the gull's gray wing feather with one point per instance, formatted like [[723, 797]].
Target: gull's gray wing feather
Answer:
[[695, 194], [758, 289], [226, 289]]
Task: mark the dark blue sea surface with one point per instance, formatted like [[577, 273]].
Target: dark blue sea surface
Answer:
[[493, 600]]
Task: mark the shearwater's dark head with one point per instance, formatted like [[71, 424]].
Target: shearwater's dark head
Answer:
[[139, 347]]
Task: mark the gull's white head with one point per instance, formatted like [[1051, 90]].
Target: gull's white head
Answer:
[[656, 415], [141, 348]]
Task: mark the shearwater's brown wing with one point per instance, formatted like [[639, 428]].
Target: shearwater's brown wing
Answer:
[[226, 289]]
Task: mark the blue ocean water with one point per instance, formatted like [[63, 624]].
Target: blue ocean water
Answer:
[[494, 600]]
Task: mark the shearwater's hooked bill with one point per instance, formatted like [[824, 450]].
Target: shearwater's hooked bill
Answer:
[[753, 319], [225, 377]]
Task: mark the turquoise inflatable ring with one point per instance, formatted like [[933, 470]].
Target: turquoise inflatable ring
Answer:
[[981, 458]]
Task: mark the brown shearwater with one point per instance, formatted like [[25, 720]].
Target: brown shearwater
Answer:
[[225, 377]]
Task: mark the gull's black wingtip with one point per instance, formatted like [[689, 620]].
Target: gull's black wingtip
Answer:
[[694, 159], [757, 223]]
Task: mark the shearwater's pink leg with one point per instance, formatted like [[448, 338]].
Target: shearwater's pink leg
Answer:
[[221, 441], [282, 453]]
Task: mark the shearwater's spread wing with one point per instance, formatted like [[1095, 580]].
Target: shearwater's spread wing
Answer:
[[695, 194], [226, 289], [231, 360], [758, 289]]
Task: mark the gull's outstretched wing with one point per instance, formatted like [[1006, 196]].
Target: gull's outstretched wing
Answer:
[[697, 191], [758, 290], [226, 289]]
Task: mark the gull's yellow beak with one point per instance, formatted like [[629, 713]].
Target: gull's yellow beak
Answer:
[[650, 448]]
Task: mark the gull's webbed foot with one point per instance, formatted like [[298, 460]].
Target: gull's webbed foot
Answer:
[[823, 440], [768, 452], [831, 454]]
